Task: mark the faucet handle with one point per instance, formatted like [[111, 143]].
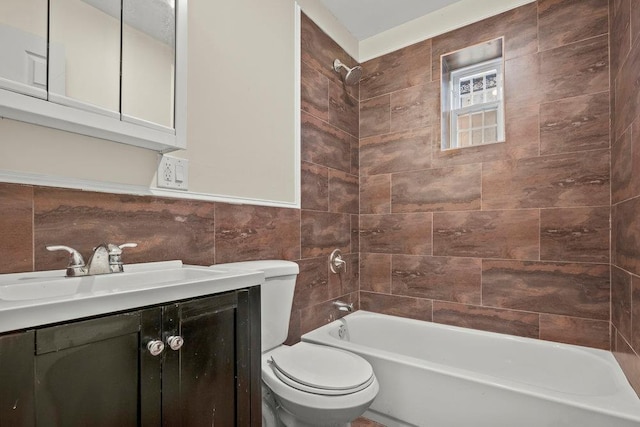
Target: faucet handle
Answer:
[[115, 256], [76, 262]]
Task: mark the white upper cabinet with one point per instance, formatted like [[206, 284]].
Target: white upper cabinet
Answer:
[[113, 68]]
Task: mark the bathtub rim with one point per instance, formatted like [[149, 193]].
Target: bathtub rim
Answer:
[[594, 403]]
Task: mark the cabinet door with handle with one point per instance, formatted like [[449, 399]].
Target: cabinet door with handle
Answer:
[[206, 368], [98, 372]]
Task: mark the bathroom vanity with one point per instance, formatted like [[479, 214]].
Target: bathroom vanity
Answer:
[[192, 359]]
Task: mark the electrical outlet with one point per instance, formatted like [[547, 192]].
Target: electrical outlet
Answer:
[[173, 173]]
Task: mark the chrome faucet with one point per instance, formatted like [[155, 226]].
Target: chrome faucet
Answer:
[[336, 263], [106, 258], [343, 306]]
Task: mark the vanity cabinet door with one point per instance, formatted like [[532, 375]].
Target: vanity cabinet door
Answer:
[[96, 372], [16, 379], [208, 380]]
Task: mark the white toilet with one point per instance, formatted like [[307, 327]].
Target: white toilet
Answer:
[[304, 384]]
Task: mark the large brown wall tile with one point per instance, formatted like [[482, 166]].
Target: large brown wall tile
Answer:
[[343, 192], [16, 228], [355, 233], [573, 330], [375, 273], [487, 234], [375, 116], [375, 194], [625, 159], [312, 283], [486, 319], [454, 188], [408, 234], [314, 180], [575, 124], [245, 232], [404, 68], [561, 180], [322, 232], [343, 109], [314, 92], [575, 234], [621, 301], [165, 229], [576, 69], [620, 34], [439, 278], [561, 22], [324, 144], [414, 308], [577, 290], [415, 107], [522, 82], [396, 152], [626, 235], [626, 95]]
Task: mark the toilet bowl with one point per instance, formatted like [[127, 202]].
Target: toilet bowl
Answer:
[[305, 384], [315, 385]]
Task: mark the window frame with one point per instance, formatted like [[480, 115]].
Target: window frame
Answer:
[[456, 110]]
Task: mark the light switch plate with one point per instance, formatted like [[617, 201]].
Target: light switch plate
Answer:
[[173, 173]]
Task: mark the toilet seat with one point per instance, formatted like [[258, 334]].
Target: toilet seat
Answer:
[[321, 370]]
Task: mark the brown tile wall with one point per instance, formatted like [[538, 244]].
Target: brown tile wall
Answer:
[[625, 186], [510, 237]]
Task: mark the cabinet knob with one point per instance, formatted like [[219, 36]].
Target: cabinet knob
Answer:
[[155, 347], [175, 342]]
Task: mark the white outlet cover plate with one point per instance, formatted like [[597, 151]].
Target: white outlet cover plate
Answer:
[[173, 173]]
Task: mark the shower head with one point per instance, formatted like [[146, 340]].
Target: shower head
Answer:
[[353, 74]]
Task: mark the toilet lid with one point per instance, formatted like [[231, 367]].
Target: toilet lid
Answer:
[[320, 369]]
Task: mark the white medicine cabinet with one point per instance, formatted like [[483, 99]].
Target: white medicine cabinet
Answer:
[[111, 69]]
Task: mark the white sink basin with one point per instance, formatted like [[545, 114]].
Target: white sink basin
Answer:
[[34, 299]]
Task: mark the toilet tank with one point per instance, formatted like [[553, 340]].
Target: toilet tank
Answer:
[[276, 297]]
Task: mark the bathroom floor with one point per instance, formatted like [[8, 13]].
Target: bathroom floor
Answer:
[[364, 422]]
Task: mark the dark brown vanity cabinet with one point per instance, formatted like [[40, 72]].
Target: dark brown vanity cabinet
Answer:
[[100, 372]]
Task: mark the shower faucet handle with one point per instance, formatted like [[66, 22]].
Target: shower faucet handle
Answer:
[[336, 263]]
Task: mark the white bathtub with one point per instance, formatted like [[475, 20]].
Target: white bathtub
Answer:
[[434, 375]]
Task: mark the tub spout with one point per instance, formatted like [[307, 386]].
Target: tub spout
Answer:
[[343, 306]]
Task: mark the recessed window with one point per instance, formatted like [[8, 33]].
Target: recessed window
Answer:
[[473, 96]]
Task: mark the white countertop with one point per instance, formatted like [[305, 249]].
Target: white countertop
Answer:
[[35, 299]]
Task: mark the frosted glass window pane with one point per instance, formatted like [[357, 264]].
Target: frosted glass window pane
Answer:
[[490, 118], [463, 122], [492, 95], [477, 137], [476, 120], [491, 134], [463, 139]]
